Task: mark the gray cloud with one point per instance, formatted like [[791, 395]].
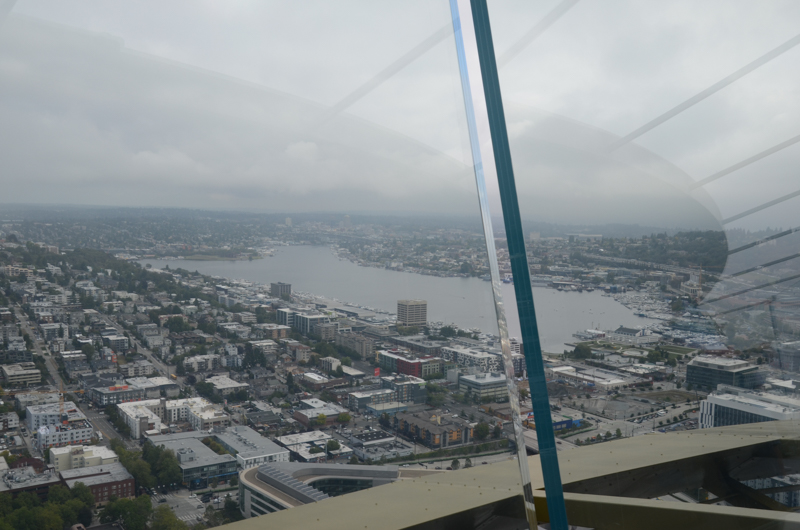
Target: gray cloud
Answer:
[[216, 105]]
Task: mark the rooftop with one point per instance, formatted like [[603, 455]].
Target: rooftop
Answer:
[[93, 475]]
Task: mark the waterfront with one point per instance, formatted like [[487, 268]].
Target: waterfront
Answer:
[[464, 301]]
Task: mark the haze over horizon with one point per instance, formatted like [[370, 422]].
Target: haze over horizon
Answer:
[[156, 106]]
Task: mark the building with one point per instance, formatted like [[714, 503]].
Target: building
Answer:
[[412, 312], [75, 457], [26, 479], [329, 364], [359, 401], [435, 430], [637, 337], [705, 372], [199, 464], [280, 290], [272, 331], [9, 420], [406, 364], [250, 448], [106, 481], [730, 405], [406, 388], [470, 358], [116, 342], [326, 331], [363, 346], [137, 369], [281, 486], [490, 386], [152, 417], [224, 385], [309, 417], [202, 363], [21, 374], [789, 356], [25, 400], [55, 428]]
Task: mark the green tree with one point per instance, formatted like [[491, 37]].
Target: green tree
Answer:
[[58, 494], [343, 418], [353, 460], [482, 431], [333, 445], [165, 519], [455, 464], [619, 433], [467, 463], [497, 431]]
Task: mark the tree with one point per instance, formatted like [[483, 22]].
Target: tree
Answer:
[[482, 431], [333, 445], [343, 418], [290, 383], [88, 351], [619, 433], [165, 519], [233, 481], [497, 431], [353, 460], [467, 463], [455, 464], [58, 494]]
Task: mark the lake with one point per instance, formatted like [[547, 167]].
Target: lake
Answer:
[[463, 301]]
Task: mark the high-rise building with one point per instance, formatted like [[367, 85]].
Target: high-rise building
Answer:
[[412, 312], [277, 290]]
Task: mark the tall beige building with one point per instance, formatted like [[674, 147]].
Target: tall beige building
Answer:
[[412, 312]]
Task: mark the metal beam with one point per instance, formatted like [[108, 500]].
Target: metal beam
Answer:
[[519, 268]]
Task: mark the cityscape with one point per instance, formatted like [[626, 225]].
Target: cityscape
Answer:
[[400, 266]]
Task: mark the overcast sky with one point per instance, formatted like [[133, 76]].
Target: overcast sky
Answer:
[[227, 105]]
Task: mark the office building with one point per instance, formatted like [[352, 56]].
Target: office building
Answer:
[[200, 466], [106, 481], [75, 457], [706, 372], [730, 405], [280, 289], [9, 420], [25, 400], [789, 356], [412, 312], [471, 358], [329, 364], [491, 386]]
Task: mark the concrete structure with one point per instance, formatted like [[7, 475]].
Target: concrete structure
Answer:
[[407, 364], [412, 312], [706, 372], [106, 481], [275, 487], [76, 457], [734, 406], [358, 401], [250, 448], [21, 374], [789, 356], [491, 386], [224, 385]]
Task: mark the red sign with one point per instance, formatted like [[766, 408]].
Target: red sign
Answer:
[[377, 372]]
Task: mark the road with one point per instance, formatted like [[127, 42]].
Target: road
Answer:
[[52, 368]]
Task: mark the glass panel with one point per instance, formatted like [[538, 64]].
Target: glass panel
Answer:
[[653, 148]]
